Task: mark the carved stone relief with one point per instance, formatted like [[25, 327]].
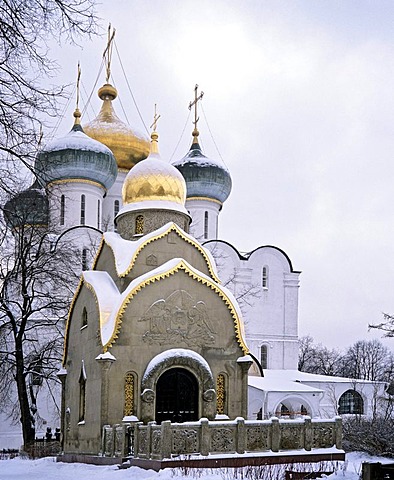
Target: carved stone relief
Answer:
[[291, 437], [178, 318], [151, 260], [256, 438], [156, 441], [323, 436], [222, 440], [184, 441]]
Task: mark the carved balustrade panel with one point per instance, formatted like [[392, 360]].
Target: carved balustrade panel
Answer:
[[323, 435], [184, 440]]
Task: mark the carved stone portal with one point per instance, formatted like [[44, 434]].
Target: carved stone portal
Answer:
[[178, 318]]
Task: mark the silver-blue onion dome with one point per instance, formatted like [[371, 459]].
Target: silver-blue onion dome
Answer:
[[76, 157], [28, 208], [205, 177]]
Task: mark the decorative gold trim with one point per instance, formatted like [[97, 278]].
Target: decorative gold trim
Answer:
[[220, 394], [129, 394], [180, 266], [177, 230], [76, 180], [206, 199]]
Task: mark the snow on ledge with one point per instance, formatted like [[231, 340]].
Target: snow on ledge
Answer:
[[106, 356]]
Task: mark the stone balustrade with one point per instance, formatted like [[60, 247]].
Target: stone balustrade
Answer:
[[219, 437]]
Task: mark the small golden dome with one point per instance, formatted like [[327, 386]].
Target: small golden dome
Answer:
[[154, 180], [127, 145]]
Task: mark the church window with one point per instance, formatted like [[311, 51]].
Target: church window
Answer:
[[264, 278], [264, 356], [62, 209], [139, 225], [82, 394], [206, 225], [84, 317], [351, 402], [84, 259], [129, 395], [221, 394], [98, 214], [116, 207], [83, 207]]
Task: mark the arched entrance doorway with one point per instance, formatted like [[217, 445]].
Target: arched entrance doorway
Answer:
[[176, 396]]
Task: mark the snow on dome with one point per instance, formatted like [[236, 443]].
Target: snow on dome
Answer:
[[76, 140], [204, 176], [76, 157], [154, 179]]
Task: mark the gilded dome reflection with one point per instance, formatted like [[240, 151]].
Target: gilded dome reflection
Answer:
[[128, 146]]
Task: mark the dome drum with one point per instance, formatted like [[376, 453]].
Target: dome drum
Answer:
[[133, 224]]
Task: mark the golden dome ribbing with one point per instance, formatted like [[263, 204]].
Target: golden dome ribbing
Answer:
[[127, 145]]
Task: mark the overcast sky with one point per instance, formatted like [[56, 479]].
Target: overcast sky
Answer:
[[299, 99]]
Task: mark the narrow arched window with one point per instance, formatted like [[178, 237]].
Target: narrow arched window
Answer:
[[221, 394], [83, 208], [62, 209], [82, 394], [264, 356], [139, 225], [206, 225], [84, 317], [129, 395], [116, 207], [264, 278], [84, 259], [351, 402], [98, 214]]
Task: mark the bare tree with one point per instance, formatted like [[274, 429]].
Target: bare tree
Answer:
[[387, 326], [318, 359], [36, 284], [26, 27], [368, 360]]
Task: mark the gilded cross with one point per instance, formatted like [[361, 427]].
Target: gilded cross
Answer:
[[78, 84], [194, 103], [107, 55], [155, 119]]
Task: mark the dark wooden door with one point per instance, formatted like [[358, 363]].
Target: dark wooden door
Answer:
[[177, 396]]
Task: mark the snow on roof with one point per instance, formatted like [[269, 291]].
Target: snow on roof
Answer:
[[294, 381], [178, 353], [272, 384], [126, 251], [107, 295], [297, 376], [112, 303], [76, 140]]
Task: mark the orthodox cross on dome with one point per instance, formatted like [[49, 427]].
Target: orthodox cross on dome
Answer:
[[196, 118], [77, 113], [155, 119], [107, 55], [154, 135]]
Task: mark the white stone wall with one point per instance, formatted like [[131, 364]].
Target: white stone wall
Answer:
[[197, 209], [270, 312], [113, 194]]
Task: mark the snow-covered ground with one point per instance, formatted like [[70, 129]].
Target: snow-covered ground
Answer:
[[23, 469]]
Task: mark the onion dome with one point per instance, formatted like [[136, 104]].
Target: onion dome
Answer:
[[29, 207], [128, 145], [205, 177], [154, 184], [76, 157]]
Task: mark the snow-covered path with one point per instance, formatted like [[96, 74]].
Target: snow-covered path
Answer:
[[47, 468]]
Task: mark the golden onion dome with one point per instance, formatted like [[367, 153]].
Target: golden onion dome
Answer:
[[128, 145], [154, 182]]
